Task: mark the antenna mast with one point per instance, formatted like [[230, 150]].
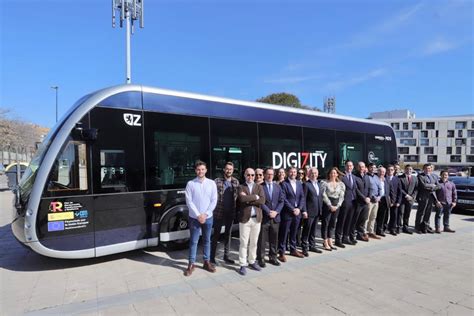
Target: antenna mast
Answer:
[[129, 11]]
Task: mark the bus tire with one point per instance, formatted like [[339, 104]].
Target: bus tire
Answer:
[[175, 220]]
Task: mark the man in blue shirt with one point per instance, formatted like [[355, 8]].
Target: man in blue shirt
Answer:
[[375, 194], [201, 199]]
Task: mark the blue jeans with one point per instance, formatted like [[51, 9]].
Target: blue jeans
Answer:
[[446, 211], [195, 228]]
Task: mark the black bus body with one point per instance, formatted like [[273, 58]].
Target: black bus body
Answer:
[[110, 176]]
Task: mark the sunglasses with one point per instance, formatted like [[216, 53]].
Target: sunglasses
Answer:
[[250, 175]]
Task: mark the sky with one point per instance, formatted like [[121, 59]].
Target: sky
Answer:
[[371, 55]]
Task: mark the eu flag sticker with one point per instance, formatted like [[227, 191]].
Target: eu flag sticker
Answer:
[[55, 226]]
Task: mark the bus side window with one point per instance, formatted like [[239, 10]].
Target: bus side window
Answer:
[[112, 169], [69, 172]]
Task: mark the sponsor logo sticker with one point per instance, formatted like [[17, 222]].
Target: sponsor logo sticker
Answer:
[[60, 216], [55, 226]]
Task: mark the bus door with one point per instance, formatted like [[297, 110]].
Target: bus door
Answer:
[[350, 147], [118, 175]]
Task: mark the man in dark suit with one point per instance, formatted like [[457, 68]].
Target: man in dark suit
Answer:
[[409, 187], [290, 215], [362, 204], [384, 204], [313, 209], [347, 209], [274, 201], [395, 199], [427, 187]]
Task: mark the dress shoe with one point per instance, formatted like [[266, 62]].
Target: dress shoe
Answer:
[[243, 270], [406, 231], [297, 254], [394, 233], [228, 260], [448, 230], [255, 266], [208, 266], [346, 241], [438, 231], [305, 253], [430, 231], [282, 257], [262, 263], [340, 244], [214, 262], [314, 249], [353, 241], [373, 236], [397, 230], [332, 247], [189, 270], [382, 234], [363, 237], [274, 261]]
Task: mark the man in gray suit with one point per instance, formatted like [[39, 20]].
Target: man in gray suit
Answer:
[[409, 185], [427, 187]]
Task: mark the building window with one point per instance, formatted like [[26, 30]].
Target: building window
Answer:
[[455, 158], [424, 134], [396, 126], [437, 134], [411, 158], [470, 133], [432, 158], [458, 150], [404, 134], [470, 158], [460, 132], [405, 150], [429, 150], [472, 150], [460, 141], [460, 125], [430, 125], [450, 133], [472, 124], [408, 142], [424, 142], [449, 150], [472, 142], [415, 125], [405, 126]]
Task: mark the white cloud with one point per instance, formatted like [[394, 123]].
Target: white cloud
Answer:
[[341, 84], [438, 46], [294, 79]]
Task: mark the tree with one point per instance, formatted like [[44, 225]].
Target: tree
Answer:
[[286, 99]]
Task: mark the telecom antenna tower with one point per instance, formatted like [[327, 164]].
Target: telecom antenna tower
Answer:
[[129, 11]]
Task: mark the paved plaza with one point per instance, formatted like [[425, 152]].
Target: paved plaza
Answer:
[[407, 274]]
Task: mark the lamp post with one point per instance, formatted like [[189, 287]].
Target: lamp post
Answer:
[[56, 88]]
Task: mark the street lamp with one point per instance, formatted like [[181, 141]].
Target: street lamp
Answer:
[[56, 88]]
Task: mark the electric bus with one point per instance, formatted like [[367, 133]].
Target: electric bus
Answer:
[[110, 176]]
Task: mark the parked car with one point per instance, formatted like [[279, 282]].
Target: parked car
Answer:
[[465, 190]]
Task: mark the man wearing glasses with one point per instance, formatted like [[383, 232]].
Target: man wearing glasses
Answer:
[[259, 176], [251, 198]]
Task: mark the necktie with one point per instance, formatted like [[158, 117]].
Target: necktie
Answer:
[[270, 189]]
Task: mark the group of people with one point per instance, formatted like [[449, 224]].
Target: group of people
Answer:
[[352, 206]]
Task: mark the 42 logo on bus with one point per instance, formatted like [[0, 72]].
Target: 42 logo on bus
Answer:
[[298, 159], [132, 119]]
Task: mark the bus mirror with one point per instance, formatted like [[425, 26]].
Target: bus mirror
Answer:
[[89, 134]]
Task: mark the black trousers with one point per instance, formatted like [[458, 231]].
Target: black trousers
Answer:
[[346, 211], [381, 216], [349, 225], [423, 213], [392, 224], [404, 213], [361, 221], [216, 234], [268, 233], [328, 222], [308, 238]]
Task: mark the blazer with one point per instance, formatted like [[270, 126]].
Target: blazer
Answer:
[[350, 193], [250, 199], [411, 188], [274, 202], [362, 188], [292, 200], [386, 184], [427, 188], [395, 190], [313, 201]]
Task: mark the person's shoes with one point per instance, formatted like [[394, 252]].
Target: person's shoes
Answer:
[[346, 241], [189, 270], [397, 230], [394, 233], [406, 231], [274, 261], [262, 263], [228, 260], [305, 253], [297, 254], [373, 236], [429, 231], [339, 244], [208, 266], [282, 257], [314, 249], [438, 231], [382, 234], [255, 266], [243, 270], [214, 262], [353, 241], [448, 230], [363, 237]]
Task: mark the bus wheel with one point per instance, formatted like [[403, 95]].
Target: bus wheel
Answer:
[[174, 231]]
